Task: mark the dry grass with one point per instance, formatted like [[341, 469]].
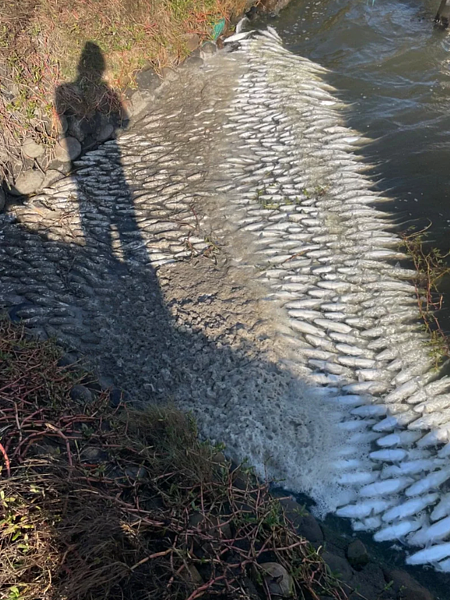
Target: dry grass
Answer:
[[41, 42], [113, 504], [431, 267]]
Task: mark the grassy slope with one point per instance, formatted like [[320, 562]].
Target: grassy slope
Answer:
[[41, 42]]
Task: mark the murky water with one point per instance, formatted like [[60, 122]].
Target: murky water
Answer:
[[393, 66]]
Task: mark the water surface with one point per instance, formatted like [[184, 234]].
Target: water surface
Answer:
[[393, 66]]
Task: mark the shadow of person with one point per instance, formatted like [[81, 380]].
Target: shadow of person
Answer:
[[90, 111]]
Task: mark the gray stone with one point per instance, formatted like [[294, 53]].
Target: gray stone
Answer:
[[27, 183], [93, 455], [51, 176], [338, 566], [191, 41], [2, 199], [148, 80], [357, 554], [80, 128], [67, 149], [304, 523], [63, 124], [140, 102], [278, 580], [169, 74], [193, 61], [135, 473], [80, 393], [105, 133], [32, 149], [208, 49], [406, 586]]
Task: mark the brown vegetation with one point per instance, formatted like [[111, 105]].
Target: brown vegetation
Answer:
[[97, 502], [41, 41]]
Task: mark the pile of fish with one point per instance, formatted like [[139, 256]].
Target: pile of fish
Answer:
[[259, 150], [327, 254]]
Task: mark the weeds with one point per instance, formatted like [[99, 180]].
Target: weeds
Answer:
[[431, 267], [110, 503]]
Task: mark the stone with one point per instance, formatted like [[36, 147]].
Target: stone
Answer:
[[193, 61], [191, 41], [370, 583], [406, 586], [93, 455], [68, 149], [357, 554], [138, 473], [105, 133], [80, 128], [338, 566], [305, 524], [32, 149], [147, 80], [63, 124], [80, 393], [51, 176], [37, 333], [208, 49], [277, 579], [2, 199], [140, 102], [169, 74], [27, 183], [61, 167], [68, 360]]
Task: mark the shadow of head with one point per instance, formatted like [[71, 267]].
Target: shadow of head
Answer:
[[91, 65]]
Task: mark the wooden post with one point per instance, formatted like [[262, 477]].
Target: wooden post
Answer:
[[443, 14]]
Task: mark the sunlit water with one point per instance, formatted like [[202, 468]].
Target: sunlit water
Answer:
[[393, 66]]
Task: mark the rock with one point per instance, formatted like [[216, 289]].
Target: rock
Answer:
[[80, 393], [105, 133], [278, 580], [370, 583], [63, 124], [192, 574], [80, 128], [140, 102], [357, 554], [67, 360], [191, 41], [304, 523], [138, 473], [208, 49], [148, 80], [193, 61], [406, 587], [37, 333], [27, 183], [2, 199], [32, 149], [116, 396], [61, 167], [338, 566], [51, 176], [169, 74], [67, 149], [93, 455]]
